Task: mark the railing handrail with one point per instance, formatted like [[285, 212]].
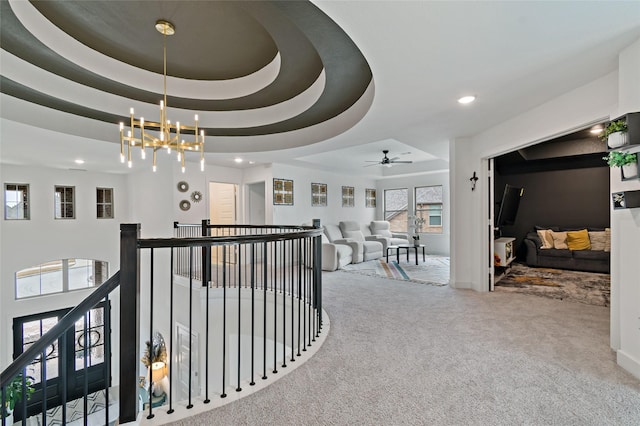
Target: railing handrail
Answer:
[[235, 239], [58, 329]]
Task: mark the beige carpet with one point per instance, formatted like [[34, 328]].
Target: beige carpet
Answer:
[[575, 286], [405, 354], [434, 270]]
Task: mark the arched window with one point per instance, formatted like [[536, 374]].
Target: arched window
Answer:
[[60, 276]]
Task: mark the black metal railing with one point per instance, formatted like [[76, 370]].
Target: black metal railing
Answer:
[[258, 303], [37, 353], [260, 295]]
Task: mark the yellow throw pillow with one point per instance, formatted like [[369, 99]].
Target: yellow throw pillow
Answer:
[[607, 243], [578, 240], [559, 240], [546, 238], [598, 240]]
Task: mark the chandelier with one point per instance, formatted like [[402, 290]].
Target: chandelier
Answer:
[[168, 134]]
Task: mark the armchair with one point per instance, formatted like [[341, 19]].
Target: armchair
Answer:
[[335, 256], [371, 249], [382, 228], [333, 234]]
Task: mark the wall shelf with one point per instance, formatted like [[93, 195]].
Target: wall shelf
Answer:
[[625, 200], [633, 132]]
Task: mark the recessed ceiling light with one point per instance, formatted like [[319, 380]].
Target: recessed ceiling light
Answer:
[[79, 161], [467, 99], [595, 130], [238, 160], [252, 162]]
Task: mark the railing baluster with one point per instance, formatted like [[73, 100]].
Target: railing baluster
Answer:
[[85, 370], [107, 356], [171, 329], [150, 415], [291, 286], [224, 318], [283, 278], [63, 357], [239, 281], [275, 312], [265, 284], [206, 277], [43, 381], [191, 260], [253, 309]]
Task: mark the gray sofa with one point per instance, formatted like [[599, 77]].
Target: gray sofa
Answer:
[[577, 260]]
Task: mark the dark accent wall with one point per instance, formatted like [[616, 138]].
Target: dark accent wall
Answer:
[[565, 198]]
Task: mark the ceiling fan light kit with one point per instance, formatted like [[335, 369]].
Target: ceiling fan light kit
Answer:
[[388, 162]]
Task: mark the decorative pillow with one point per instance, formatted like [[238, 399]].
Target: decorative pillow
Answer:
[[559, 240], [607, 243], [598, 240], [545, 238], [578, 240]]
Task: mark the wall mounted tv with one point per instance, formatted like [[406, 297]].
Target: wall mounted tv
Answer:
[[508, 206]]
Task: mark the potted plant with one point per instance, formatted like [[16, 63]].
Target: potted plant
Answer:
[[417, 226], [615, 134], [627, 161], [14, 395]]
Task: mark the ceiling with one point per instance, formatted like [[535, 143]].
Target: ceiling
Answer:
[[325, 85]]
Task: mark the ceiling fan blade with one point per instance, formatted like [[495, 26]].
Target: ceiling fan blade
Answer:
[[394, 158], [405, 162], [369, 165], [371, 161]]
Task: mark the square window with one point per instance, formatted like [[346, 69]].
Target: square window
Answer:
[[16, 201], [104, 203], [64, 202]]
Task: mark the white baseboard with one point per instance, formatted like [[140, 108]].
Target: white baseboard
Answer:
[[629, 363]]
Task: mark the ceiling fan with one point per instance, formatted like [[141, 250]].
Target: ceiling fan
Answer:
[[388, 162]]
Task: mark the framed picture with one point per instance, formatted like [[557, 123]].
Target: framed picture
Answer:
[[282, 192], [348, 198], [370, 197], [318, 195]]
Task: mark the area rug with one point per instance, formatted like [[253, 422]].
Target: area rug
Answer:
[[576, 286], [434, 270]]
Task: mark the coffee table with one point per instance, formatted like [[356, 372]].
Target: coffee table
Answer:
[[407, 248]]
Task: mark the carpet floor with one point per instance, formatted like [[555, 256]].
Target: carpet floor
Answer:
[[404, 354], [575, 286]]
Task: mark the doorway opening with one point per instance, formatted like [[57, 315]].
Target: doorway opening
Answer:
[[255, 211], [564, 187]]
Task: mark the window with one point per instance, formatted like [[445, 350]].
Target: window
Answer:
[[60, 276], [396, 202], [428, 206], [104, 203], [370, 197], [348, 197], [16, 201], [65, 202]]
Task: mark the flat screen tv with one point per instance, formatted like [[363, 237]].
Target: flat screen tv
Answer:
[[509, 206]]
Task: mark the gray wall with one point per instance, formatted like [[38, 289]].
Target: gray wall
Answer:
[[565, 198]]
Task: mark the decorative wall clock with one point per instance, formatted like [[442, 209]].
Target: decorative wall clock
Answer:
[[196, 196]]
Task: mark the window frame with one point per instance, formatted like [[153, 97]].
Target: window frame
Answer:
[[66, 285], [104, 204], [26, 204], [430, 229], [62, 204], [385, 211]]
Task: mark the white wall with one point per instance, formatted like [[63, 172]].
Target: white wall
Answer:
[[470, 240], [436, 243], [625, 234], [606, 97], [302, 212], [43, 238]]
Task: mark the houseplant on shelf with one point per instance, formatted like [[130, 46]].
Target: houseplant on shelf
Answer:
[[627, 161], [13, 395], [615, 134]]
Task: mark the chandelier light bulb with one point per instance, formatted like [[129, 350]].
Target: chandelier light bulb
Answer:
[[154, 168], [129, 163], [143, 155], [179, 156], [131, 111], [202, 165], [121, 157], [183, 169]]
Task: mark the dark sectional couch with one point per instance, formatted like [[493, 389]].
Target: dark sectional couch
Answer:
[[577, 260]]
